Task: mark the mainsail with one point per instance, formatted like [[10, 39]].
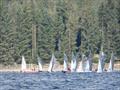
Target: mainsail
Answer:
[[39, 64], [82, 65], [23, 64], [52, 62], [111, 64], [84, 59], [101, 62], [65, 62], [87, 69], [73, 63], [89, 63]]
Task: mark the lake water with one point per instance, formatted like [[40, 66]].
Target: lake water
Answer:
[[59, 81]]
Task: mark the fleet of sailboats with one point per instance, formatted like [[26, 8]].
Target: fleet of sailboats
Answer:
[[85, 64]]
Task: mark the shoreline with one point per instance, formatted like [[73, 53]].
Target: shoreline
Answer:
[[58, 67], [18, 71]]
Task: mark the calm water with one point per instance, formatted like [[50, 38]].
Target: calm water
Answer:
[[59, 81]]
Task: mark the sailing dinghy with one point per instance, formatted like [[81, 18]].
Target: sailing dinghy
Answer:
[[52, 63], [23, 64], [39, 64], [73, 63], [101, 62], [65, 63], [89, 63], [111, 64]]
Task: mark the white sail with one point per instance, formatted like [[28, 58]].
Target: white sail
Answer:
[[84, 59], [73, 63], [82, 64], [101, 62], [65, 62], [39, 64], [87, 69], [89, 63], [111, 64], [23, 64], [100, 66], [90, 60], [80, 68], [52, 62]]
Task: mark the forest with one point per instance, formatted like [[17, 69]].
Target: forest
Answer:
[[41, 27]]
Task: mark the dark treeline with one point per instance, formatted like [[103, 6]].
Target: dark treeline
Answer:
[[41, 27]]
